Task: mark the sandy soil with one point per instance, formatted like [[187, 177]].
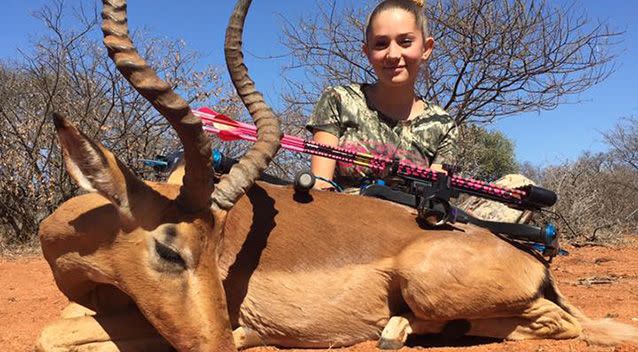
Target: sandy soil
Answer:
[[602, 281]]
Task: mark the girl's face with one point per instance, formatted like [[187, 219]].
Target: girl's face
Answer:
[[396, 48]]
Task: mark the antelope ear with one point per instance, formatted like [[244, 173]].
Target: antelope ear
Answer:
[[95, 168]]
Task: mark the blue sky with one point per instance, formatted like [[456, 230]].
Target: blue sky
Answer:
[[546, 137]]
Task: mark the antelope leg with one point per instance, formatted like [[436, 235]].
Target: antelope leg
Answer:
[[121, 332], [74, 310], [542, 320]]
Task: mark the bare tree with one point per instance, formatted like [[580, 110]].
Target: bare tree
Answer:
[[493, 58], [68, 71], [623, 141]]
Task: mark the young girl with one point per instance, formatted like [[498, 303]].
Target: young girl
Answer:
[[387, 117]]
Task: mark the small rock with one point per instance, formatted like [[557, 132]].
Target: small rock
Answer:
[[634, 319]]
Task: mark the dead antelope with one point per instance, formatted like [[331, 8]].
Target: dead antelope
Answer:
[[161, 266]]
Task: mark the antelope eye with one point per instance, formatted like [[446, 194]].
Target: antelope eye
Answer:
[[169, 255]]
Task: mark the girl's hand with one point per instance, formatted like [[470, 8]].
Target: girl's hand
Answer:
[[438, 168]]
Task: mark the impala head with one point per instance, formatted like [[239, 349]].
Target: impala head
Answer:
[[160, 245]]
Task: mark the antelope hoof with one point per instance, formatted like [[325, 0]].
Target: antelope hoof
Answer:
[[395, 334]]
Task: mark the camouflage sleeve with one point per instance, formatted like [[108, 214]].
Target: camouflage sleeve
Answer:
[[327, 114], [447, 151]]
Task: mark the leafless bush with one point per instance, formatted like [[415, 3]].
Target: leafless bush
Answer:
[[597, 197], [68, 71]]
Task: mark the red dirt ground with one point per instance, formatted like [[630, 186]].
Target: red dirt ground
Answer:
[[602, 281]]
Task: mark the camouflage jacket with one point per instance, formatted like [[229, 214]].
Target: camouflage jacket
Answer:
[[344, 111]]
